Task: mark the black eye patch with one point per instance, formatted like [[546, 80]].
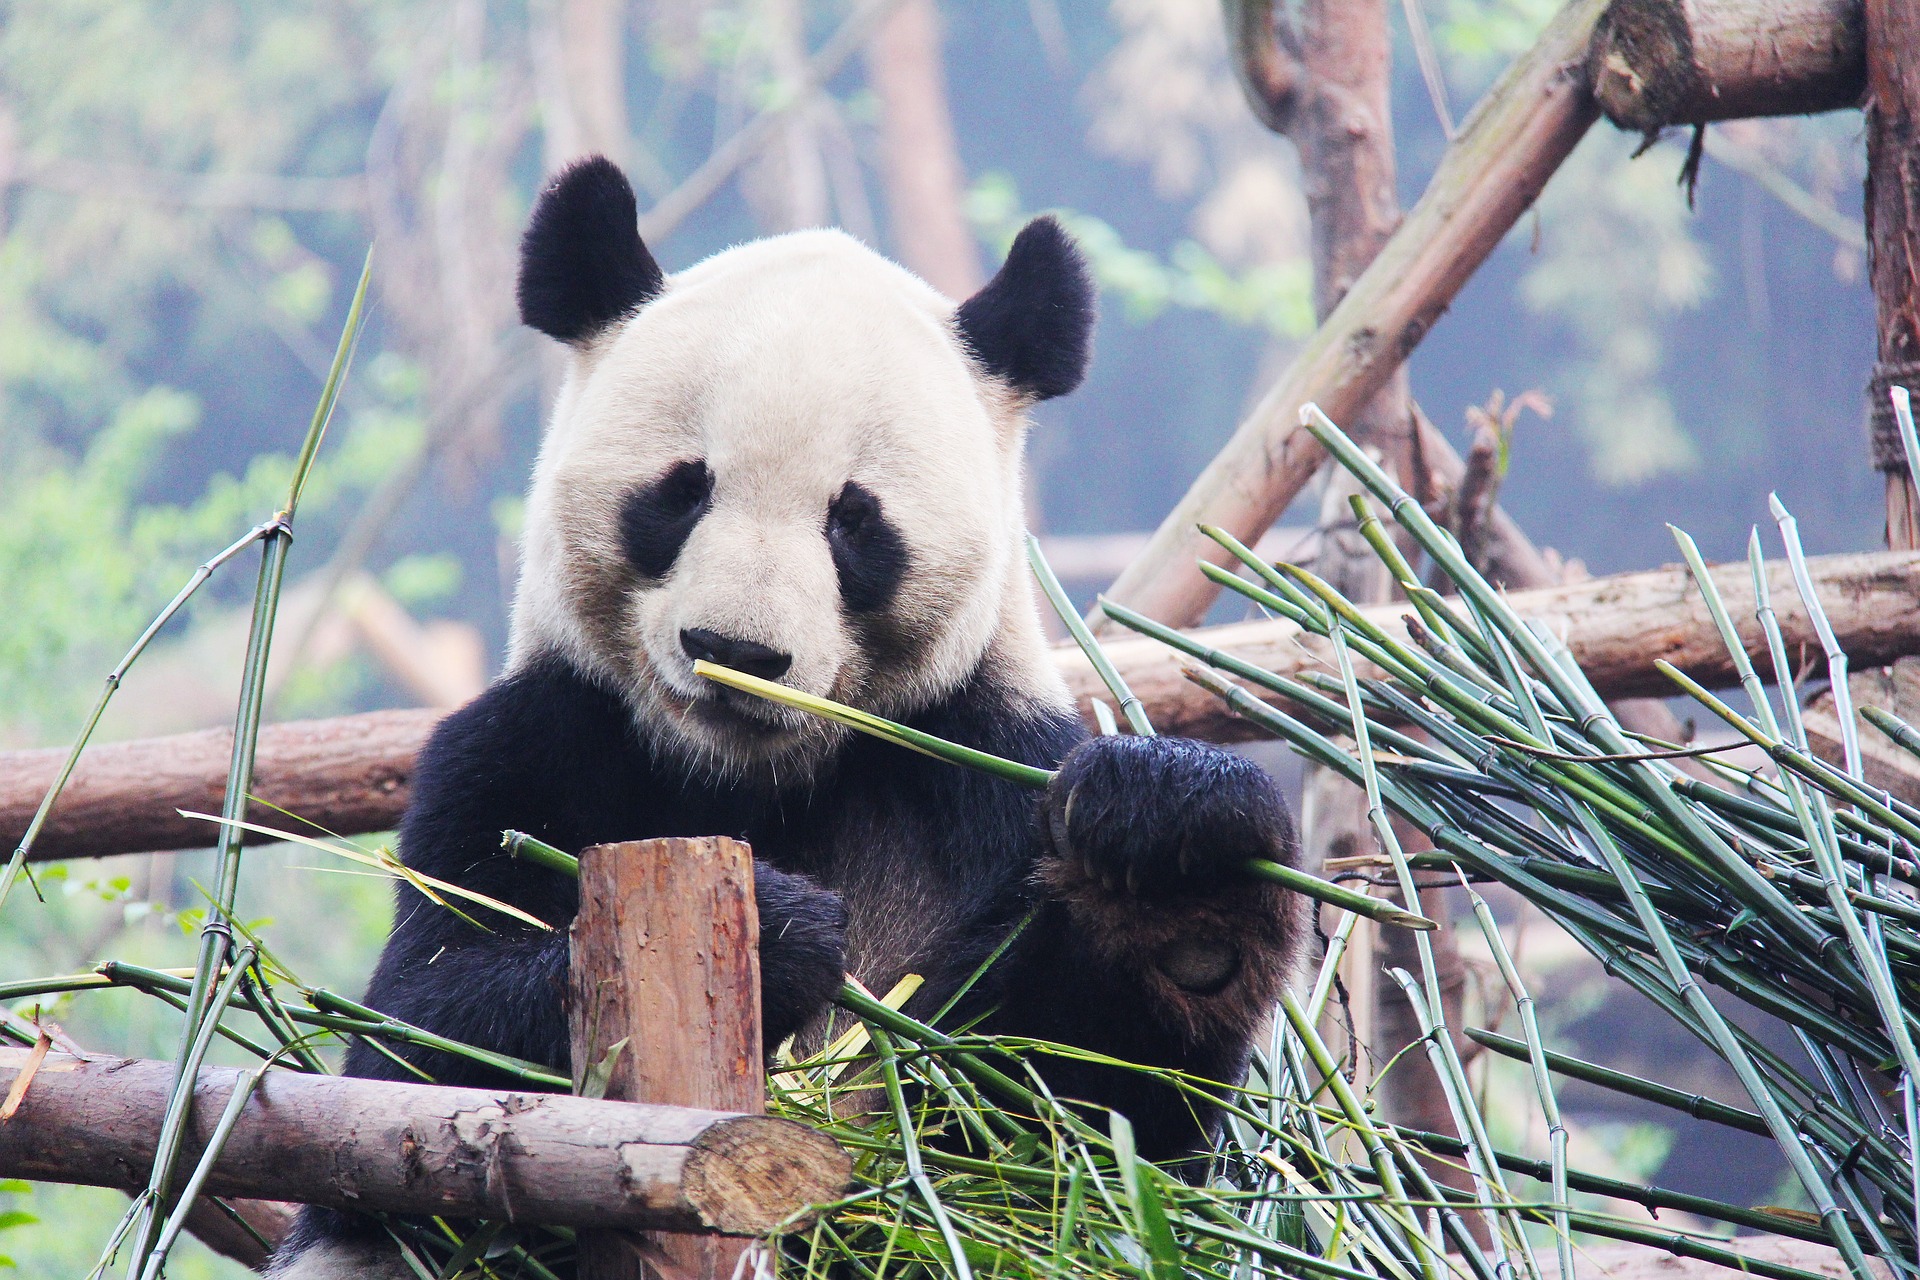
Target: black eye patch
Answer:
[[656, 519], [869, 555]]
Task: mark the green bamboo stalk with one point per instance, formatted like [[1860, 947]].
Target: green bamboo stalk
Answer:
[[243, 1088], [1542, 1085], [1903, 734], [1430, 1011], [199, 577], [1692, 1104], [1130, 706], [1592, 718], [1865, 940], [519, 844], [216, 934], [1431, 1263], [910, 1150]]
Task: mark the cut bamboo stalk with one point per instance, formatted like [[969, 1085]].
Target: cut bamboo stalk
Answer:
[[1656, 63], [350, 774], [664, 1007], [378, 1146]]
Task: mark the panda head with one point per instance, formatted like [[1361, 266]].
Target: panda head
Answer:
[[795, 459]]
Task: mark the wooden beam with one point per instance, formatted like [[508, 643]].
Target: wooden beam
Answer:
[[1506, 150], [1656, 63], [1616, 626], [666, 966], [413, 1148], [350, 773]]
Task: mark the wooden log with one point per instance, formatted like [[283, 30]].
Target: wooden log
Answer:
[[355, 768], [666, 966], [1505, 152], [1656, 63], [1893, 239], [414, 1148], [1616, 626]]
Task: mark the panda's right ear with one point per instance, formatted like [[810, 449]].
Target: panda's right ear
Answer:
[[582, 265]]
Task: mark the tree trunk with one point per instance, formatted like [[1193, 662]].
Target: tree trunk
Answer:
[[1656, 63], [350, 775], [379, 1146], [919, 158], [1893, 239], [664, 1007]]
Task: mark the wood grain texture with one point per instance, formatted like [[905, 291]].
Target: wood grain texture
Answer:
[[666, 963], [1656, 63], [412, 1148], [350, 773]]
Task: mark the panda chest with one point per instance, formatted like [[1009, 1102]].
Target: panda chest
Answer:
[[905, 908]]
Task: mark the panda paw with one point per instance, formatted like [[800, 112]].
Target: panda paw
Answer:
[[1148, 840], [803, 949], [1164, 815]]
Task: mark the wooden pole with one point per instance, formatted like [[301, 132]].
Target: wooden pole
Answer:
[[380, 1146], [1616, 627], [1505, 152], [1656, 63], [664, 1007], [1893, 239]]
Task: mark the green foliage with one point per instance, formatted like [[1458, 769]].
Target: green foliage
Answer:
[[1277, 298]]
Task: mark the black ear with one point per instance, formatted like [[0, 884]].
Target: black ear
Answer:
[[582, 265], [1032, 325]]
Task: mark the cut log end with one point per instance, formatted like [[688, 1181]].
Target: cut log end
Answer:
[[1654, 64], [738, 1168]]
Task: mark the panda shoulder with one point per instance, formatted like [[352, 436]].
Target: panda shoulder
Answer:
[[534, 720]]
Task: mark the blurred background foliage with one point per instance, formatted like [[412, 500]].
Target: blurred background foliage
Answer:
[[186, 190]]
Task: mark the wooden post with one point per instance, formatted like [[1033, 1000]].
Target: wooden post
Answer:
[[664, 1006], [1893, 239]]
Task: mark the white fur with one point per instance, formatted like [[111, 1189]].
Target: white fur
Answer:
[[792, 366], [330, 1260]]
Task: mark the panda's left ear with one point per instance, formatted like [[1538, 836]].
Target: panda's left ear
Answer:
[[1031, 327], [582, 265]]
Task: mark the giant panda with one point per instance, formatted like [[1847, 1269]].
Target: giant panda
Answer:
[[798, 460]]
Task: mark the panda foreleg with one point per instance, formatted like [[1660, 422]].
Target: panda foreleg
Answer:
[[1154, 945], [803, 948]]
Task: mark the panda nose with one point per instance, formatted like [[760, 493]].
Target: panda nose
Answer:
[[742, 655]]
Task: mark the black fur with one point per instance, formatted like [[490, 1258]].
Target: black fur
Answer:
[[546, 751], [869, 555], [657, 519], [582, 265], [1031, 326]]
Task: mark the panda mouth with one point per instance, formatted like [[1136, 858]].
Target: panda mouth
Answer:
[[729, 709]]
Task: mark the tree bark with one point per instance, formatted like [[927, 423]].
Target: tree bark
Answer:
[[1507, 149], [665, 976], [1656, 63], [580, 64], [919, 157], [1893, 240], [409, 1148], [1615, 626]]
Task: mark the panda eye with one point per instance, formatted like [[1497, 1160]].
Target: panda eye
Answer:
[[657, 518], [684, 489], [851, 513], [869, 554]]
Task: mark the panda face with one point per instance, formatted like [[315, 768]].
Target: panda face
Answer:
[[788, 464], [794, 459]]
